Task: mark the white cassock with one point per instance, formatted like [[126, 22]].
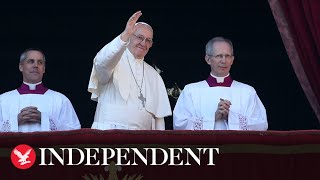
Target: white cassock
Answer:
[[197, 104], [115, 82], [57, 112]]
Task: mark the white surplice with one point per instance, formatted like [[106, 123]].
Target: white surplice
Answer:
[[57, 112], [116, 88], [196, 106]]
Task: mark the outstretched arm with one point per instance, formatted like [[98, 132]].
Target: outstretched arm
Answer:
[[109, 56]]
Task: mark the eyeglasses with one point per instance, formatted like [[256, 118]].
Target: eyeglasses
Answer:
[[142, 38], [221, 56]]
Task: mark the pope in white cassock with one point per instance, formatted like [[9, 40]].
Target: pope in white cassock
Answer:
[[33, 107], [130, 93], [219, 102]]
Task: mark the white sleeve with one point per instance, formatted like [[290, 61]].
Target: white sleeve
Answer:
[[68, 118], [257, 116], [8, 122], [1, 118], [107, 58], [184, 112]]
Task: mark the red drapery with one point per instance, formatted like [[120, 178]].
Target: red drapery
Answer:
[[298, 22]]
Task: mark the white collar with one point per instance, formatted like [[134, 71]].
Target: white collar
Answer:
[[133, 59], [220, 79], [32, 86]]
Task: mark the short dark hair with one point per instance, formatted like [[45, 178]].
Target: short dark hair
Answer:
[[23, 55]]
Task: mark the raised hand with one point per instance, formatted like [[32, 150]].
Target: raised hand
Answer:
[[131, 27]]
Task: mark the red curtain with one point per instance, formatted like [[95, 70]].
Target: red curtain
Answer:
[[298, 22]]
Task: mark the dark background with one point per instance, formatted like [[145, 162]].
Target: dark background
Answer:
[[71, 33]]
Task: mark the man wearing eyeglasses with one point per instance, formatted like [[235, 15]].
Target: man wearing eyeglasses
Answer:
[[130, 93], [219, 102]]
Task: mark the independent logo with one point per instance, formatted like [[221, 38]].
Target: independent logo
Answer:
[[23, 156]]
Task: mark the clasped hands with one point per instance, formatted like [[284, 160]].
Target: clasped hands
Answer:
[[222, 111], [29, 114]]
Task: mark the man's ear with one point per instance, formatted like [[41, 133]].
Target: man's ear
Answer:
[[207, 58], [232, 60], [20, 67]]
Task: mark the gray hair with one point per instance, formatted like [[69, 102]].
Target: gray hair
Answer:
[[23, 55], [209, 45]]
